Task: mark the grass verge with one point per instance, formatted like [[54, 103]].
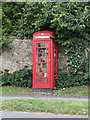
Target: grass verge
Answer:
[[77, 91], [50, 106]]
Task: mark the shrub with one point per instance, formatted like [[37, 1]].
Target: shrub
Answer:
[[64, 79], [21, 78]]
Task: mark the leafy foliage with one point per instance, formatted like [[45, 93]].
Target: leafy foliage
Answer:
[[64, 79], [69, 21], [11, 13], [22, 78]]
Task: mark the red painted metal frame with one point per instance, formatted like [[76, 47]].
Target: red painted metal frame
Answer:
[[38, 84], [51, 83]]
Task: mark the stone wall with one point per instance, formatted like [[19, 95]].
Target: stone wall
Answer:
[[20, 55]]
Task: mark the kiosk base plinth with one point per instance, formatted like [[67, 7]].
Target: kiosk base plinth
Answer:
[[43, 89]]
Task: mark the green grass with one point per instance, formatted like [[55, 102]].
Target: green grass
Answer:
[[50, 106], [12, 90], [77, 91]]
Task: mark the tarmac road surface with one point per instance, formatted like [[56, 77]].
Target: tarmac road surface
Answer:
[[41, 97], [7, 114]]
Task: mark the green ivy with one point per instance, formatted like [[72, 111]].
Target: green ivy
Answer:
[[69, 21], [22, 78]]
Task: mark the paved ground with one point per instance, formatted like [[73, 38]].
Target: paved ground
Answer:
[[41, 97], [36, 115]]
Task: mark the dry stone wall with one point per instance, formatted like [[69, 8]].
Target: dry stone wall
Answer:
[[20, 55]]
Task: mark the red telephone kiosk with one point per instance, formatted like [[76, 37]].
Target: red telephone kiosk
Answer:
[[45, 59]]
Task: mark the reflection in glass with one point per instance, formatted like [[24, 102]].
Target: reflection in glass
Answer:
[[36, 64], [54, 67], [54, 59], [47, 44], [54, 54], [42, 50], [47, 79], [41, 44], [47, 54], [42, 80], [41, 70], [36, 50], [36, 44], [36, 54], [42, 60], [36, 59], [41, 64], [40, 74], [47, 64], [41, 54], [36, 74], [47, 49]]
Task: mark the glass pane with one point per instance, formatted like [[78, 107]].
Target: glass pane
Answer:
[[41, 54], [47, 79], [47, 49], [47, 44], [54, 50], [47, 64], [54, 59], [47, 54], [42, 80], [36, 59], [42, 50], [45, 74], [36, 54], [41, 44], [42, 60], [54, 54], [36, 64], [40, 74], [54, 67], [41, 69], [36, 49], [41, 64], [36, 44], [36, 74]]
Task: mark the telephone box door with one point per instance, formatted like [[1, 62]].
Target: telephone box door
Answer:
[[41, 64]]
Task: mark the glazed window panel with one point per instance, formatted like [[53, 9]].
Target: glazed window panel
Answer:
[[40, 74], [41, 69], [42, 60], [54, 54], [42, 64], [47, 49], [41, 49], [41, 54], [42, 80], [41, 44]]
